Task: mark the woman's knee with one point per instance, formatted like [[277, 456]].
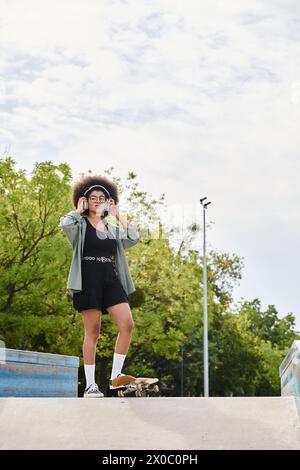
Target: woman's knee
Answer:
[[93, 334], [92, 324], [127, 326]]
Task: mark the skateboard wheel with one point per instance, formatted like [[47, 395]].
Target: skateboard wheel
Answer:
[[120, 393], [138, 393], [156, 389]]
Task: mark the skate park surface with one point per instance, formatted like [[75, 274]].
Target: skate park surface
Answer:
[[150, 423]]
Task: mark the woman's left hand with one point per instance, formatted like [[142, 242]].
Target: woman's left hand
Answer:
[[113, 208]]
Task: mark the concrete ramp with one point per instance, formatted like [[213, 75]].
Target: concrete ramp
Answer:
[[149, 423]]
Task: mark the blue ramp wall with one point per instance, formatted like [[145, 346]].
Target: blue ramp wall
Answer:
[[289, 371], [36, 374]]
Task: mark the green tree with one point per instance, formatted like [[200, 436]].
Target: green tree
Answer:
[[246, 344]]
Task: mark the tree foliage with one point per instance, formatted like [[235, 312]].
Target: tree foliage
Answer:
[[246, 344]]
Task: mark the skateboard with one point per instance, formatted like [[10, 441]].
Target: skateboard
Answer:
[[139, 387]]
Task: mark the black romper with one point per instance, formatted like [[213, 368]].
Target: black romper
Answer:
[[101, 286]]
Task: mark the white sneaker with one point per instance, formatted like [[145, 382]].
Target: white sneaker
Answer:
[[92, 391]]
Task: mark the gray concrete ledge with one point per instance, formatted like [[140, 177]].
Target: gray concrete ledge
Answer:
[[149, 423]]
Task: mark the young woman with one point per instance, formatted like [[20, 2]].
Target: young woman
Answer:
[[99, 280]]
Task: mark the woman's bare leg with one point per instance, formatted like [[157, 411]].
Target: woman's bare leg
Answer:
[[121, 315], [92, 323]]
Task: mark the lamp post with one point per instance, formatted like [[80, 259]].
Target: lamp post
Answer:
[[205, 328]]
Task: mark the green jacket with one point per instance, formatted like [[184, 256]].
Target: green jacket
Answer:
[[74, 226]]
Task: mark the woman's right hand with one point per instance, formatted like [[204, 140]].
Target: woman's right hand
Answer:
[[80, 208]]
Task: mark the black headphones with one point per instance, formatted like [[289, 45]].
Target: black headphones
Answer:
[[97, 186], [105, 211]]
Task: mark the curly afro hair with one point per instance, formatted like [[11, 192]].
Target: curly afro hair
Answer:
[[84, 183]]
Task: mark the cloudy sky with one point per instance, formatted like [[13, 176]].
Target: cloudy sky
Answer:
[[198, 97]]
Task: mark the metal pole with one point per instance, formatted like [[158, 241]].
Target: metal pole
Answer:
[[205, 320]]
